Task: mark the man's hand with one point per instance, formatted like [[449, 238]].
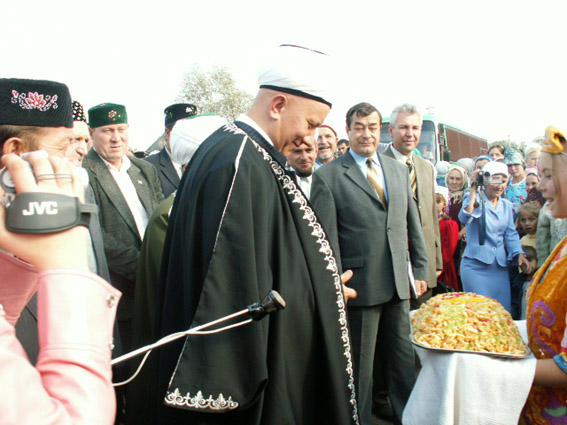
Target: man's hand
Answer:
[[439, 273], [420, 287], [349, 292]]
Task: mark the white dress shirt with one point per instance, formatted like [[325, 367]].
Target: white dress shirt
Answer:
[[305, 184], [400, 157], [124, 182]]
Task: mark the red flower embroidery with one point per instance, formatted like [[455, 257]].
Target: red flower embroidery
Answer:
[[34, 101]]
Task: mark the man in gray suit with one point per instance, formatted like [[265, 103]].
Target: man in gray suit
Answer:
[[405, 129], [126, 191], [366, 205]]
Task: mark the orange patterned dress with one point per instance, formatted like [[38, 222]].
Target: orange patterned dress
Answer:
[[547, 307]]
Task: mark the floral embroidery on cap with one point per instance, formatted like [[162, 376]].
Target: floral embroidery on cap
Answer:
[[112, 114], [34, 100]]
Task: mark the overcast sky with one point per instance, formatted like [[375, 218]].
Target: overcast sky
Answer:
[[493, 68]]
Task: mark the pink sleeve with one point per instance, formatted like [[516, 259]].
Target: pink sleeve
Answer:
[[71, 383], [19, 282]]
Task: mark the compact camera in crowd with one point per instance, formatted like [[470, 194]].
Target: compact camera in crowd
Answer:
[[485, 179]]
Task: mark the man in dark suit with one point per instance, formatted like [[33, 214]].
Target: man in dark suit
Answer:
[[126, 191], [405, 129], [366, 205], [169, 171]]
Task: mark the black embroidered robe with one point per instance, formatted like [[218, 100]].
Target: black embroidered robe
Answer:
[[240, 227]]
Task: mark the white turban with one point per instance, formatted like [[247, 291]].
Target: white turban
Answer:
[[188, 134], [299, 71]]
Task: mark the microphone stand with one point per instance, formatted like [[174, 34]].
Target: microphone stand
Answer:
[[256, 311]]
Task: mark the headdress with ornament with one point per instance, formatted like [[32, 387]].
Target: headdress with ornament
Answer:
[[297, 70], [178, 111], [554, 141], [79, 112], [38, 103], [107, 114]]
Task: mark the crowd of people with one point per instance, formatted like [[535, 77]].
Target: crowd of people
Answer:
[[352, 236]]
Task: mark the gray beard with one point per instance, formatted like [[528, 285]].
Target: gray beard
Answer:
[[325, 157]]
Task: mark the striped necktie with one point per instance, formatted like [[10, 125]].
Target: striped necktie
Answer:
[[374, 181], [413, 178]]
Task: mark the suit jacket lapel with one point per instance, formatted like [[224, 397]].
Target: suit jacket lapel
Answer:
[[167, 168], [423, 179], [353, 172], [110, 187]]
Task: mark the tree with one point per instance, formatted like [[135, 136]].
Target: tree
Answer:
[[214, 92]]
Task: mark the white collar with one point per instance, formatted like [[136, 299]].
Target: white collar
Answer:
[[400, 156], [247, 120], [126, 163]]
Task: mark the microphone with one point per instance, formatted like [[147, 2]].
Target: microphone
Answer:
[[256, 311], [272, 302]]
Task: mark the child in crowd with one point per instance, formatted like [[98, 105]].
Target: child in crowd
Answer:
[[532, 179], [528, 214], [516, 191], [521, 284], [449, 231]]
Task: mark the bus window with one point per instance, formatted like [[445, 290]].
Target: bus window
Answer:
[[427, 141], [385, 138]]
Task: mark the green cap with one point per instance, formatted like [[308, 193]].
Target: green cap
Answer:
[[107, 114]]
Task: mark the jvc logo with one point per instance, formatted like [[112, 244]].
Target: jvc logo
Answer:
[[41, 208]]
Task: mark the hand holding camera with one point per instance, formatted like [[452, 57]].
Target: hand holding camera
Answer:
[[48, 180]]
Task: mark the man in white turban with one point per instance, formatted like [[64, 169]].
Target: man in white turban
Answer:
[[239, 227]]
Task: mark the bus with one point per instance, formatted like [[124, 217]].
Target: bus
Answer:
[[440, 141]]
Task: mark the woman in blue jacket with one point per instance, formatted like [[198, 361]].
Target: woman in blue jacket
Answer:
[[484, 268]]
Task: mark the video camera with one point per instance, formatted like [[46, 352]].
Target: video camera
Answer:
[[485, 179], [40, 212]]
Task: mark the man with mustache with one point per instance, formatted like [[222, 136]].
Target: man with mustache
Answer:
[[326, 144]]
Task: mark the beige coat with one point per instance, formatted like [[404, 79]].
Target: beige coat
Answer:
[[428, 214]]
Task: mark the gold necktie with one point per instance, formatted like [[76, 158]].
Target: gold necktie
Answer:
[[374, 180], [413, 178]]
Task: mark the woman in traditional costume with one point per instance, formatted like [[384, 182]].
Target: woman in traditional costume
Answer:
[[547, 299]]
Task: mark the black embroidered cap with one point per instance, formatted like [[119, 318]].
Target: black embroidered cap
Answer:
[[39, 103], [78, 112], [179, 111]]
